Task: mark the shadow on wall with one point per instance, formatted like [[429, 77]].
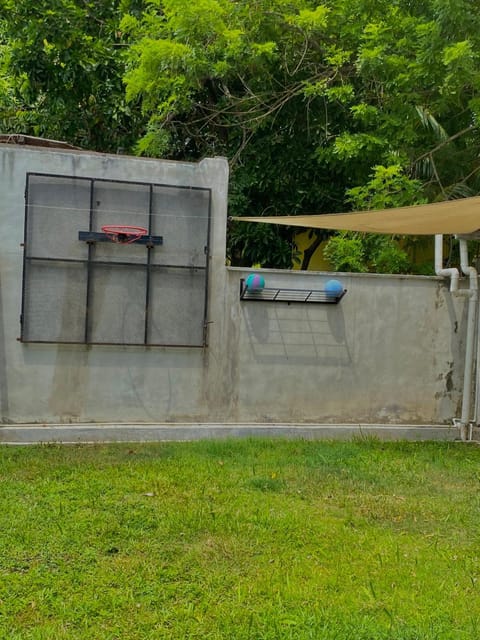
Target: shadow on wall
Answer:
[[280, 332]]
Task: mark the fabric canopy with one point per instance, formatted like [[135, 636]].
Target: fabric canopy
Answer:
[[450, 217]]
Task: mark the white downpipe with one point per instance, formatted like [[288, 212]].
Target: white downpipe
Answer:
[[451, 273], [472, 292], [464, 422]]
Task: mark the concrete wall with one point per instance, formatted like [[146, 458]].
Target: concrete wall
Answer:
[[391, 351], [49, 382]]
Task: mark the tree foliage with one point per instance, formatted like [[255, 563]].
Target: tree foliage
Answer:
[[61, 68], [388, 187], [305, 98]]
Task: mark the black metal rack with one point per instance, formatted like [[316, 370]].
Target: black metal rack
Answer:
[[268, 294]]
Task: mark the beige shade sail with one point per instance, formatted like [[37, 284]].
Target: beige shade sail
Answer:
[[450, 217]]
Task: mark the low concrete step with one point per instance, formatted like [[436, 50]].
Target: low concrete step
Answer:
[[95, 432]]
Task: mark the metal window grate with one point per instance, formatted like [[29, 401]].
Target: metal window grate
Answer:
[[78, 289]]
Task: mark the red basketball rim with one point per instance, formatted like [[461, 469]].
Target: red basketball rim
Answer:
[[123, 233]]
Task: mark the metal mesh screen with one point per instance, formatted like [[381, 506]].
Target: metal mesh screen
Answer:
[[107, 293], [178, 293], [181, 213], [57, 208], [120, 203], [118, 303], [54, 301]]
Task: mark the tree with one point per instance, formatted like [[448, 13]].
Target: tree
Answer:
[[61, 67], [305, 99], [352, 251]]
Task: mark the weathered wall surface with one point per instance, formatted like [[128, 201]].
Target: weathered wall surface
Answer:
[[391, 351], [49, 382]]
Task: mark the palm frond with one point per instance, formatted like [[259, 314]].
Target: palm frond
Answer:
[[459, 190], [429, 122], [423, 169]]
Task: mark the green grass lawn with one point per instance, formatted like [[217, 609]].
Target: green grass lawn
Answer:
[[240, 539]]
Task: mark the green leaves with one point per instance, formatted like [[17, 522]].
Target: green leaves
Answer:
[[311, 20], [357, 252], [388, 187], [346, 252], [461, 64], [253, 244], [354, 145], [306, 99], [160, 75], [64, 66], [198, 22]]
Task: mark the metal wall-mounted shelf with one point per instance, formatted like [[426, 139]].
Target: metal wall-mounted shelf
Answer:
[[268, 294]]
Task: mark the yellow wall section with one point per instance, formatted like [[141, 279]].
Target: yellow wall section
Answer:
[[317, 261]]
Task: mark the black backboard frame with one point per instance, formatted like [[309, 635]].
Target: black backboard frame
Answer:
[[148, 266]]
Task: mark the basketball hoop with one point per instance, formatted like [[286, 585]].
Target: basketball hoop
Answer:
[[123, 233]]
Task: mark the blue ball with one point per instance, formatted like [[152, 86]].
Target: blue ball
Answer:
[[333, 288], [255, 282]]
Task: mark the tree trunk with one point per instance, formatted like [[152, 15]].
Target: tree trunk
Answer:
[[309, 251]]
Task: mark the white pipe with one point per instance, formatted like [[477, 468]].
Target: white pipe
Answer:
[[471, 272], [476, 411], [451, 273], [464, 422]]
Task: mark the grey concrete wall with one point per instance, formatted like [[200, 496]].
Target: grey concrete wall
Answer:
[[390, 352], [48, 382]]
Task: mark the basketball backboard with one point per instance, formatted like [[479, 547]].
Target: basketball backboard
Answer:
[[80, 287]]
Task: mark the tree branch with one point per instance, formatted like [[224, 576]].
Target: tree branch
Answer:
[[444, 143]]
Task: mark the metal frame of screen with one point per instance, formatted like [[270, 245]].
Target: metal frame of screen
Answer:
[[90, 264]]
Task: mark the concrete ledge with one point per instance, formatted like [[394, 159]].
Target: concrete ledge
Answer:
[[89, 433]]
